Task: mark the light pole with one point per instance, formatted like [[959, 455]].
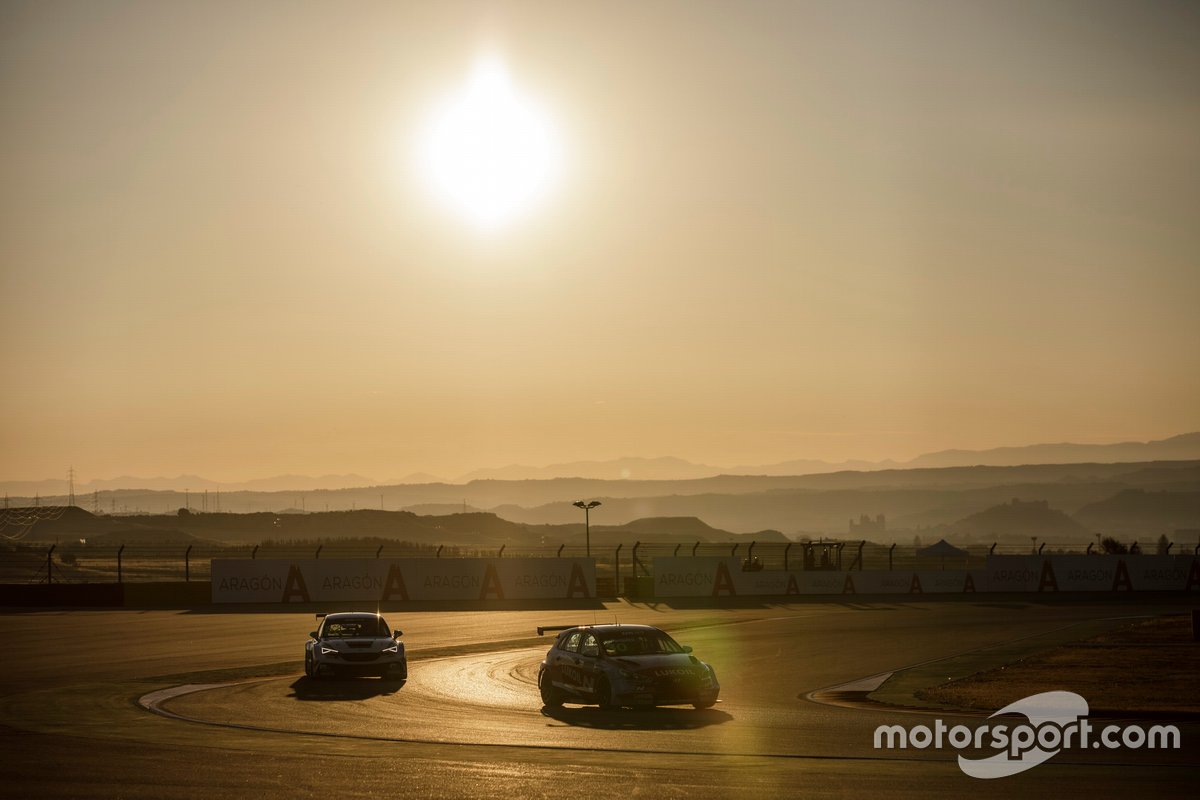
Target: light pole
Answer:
[[587, 526]]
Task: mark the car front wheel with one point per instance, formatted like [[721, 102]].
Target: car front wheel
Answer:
[[604, 695], [551, 696]]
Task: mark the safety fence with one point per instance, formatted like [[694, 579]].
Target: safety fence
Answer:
[[620, 568]]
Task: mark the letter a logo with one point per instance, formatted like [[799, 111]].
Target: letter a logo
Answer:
[[394, 585], [848, 586], [792, 588], [969, 584], [914, 587], [1121, 579], [1193, 581], [1048, 580], [577, 583], [295, 586], [723, 582], [491, 583]]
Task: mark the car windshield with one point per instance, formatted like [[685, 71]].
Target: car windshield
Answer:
[[639, 643], [351, 627]]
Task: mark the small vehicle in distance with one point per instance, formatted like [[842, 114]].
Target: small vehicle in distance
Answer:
[[623, 665], [355, 644]]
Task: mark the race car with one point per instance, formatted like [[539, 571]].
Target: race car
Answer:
[[623, 665], [355, 644]]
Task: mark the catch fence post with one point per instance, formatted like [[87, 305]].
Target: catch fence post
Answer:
[[617, 568]]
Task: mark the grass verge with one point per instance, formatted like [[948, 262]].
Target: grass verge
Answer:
[[1143, 667]]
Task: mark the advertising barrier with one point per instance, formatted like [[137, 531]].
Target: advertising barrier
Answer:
[[1081, 573], [716, 577], [719, 577], [398, 580]]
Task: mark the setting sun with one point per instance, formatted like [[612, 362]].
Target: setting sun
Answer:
[[489, 152]]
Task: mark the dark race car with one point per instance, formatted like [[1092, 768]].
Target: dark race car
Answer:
[[355, 643], [623, 665]]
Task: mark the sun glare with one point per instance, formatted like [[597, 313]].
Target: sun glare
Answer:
[[489, 152]]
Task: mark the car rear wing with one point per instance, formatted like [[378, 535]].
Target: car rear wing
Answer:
[[541, 629]]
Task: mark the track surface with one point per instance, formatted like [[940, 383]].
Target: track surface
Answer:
[[468, 722]]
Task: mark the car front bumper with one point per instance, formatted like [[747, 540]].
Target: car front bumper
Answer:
[[383, 665], [667, 696]]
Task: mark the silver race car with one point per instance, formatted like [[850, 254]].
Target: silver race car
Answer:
[[355, 643], [623, 665]]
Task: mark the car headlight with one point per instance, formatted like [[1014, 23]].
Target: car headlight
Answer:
[[328, 650], [393, 649]]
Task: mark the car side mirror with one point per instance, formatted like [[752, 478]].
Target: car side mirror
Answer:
[[687, 648], [396, 634], [312, 635]]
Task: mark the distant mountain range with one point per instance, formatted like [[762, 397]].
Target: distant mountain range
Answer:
[[1178, 448], [1058, 503]]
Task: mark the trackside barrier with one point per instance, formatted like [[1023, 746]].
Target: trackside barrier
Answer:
[[162, 594], [717, 577], [393, 580]]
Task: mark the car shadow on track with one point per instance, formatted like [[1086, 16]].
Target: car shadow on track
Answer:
[[305, 688], [656, 719]]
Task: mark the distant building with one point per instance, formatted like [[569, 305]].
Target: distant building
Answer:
[[867, 526]]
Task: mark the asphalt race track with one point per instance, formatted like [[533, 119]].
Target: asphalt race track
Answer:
[[469, 723]]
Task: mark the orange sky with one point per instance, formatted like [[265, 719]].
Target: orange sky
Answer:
[[783, 230]]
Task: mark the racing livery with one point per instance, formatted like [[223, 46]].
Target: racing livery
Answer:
[[355, 643], [623, 665]]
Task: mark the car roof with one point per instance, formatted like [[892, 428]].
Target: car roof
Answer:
[[614, 627], [342, 614]]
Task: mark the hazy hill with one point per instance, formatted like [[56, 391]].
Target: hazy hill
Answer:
[[139, 537], [651, 469], [816, 504], [1019, 520], [1176, 448], [830, 511], [1185, 447], [1135, 512], [677, 529], [470, 530]]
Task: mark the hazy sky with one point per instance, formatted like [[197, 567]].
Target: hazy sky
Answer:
[[782, 230]]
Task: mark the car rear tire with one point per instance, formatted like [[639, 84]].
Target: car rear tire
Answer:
[[551, 696], [704, 705], [604, 696]]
